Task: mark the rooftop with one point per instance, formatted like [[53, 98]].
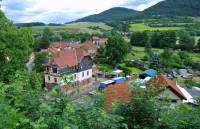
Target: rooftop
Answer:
[[116, 92]]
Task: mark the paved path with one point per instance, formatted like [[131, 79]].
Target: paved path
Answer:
[[30, 65]]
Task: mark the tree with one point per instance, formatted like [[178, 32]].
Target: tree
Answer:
[[15, 48], [182, 117], [139, 38], [186, 42], [142, 110], [40, 58], [116, 49], [148, 47], [198, 45], [163, 39], [45, 40], [155, 40], [154, 60]]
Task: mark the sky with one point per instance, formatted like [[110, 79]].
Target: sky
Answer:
[[62, 11]]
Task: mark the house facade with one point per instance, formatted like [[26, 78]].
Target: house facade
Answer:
[[99, 41], [70, 61]]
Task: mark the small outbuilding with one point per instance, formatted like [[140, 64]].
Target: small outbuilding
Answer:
[[148, 73]]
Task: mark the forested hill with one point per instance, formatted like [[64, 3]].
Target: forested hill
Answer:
[[113, 14], [175, 8], [164, 8]]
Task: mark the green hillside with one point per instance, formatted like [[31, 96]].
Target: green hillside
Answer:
[[166, 8], [84, 27], [113, 14], [175, 8]]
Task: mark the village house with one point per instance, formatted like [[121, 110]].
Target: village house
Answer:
[[88, 46], [169, 89], [68, 61], [99, 41]]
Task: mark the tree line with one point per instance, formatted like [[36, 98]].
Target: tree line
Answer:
[[164, 39]]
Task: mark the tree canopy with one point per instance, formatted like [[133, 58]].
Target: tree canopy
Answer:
[[15, 48], [116, 49]]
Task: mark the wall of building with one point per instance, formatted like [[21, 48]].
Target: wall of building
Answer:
[[51, 79], [83, 75], [80, 76], [169, 94]]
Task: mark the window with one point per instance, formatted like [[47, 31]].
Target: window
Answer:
[[55, 80], [83, 74], [88, 73], [49, 78], [54, 70], [47, 69], [174, 101]]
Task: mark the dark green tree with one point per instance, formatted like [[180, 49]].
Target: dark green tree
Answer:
[[154, 60], [182, 117], [186, 42], [148, 47], [198, 44], [45, 40], [143, 109], [155, 40], [163, 39], [116, 49], [40, 58], [139, 38]]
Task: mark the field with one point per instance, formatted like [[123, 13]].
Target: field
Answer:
[[143, 27], [138, 53], [84, 27]]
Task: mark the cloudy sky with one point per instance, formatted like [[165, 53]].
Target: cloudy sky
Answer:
[[61, 11]]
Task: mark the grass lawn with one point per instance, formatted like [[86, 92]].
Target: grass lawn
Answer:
[[105, 67], [195, 57], [83, 27], [133, 69], [143, 27], [196, 39], [138, 53]]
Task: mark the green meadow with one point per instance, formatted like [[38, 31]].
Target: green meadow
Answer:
[[143, 27], [83, 27]]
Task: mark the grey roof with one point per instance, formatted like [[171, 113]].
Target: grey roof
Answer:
[[183, 71], [194, 92]]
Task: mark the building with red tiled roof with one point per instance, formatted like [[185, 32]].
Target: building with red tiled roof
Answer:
[[116, 92], [168, 88], [88, 46], [74, 62]]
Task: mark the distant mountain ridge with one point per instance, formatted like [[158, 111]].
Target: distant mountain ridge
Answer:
[[113, 14], [175, 8], [163, 8]]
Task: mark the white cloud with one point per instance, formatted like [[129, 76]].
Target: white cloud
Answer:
[[141, 7], [61, 11]]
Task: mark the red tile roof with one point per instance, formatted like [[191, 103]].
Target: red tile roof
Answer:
[[119, 91], [68, 58], [163, 80], [62, 45], [89, 46], [59, 45]]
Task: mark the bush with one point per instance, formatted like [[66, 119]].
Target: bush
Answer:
[[192, 83]]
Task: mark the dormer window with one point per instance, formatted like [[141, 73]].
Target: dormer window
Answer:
[[55, 70]]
